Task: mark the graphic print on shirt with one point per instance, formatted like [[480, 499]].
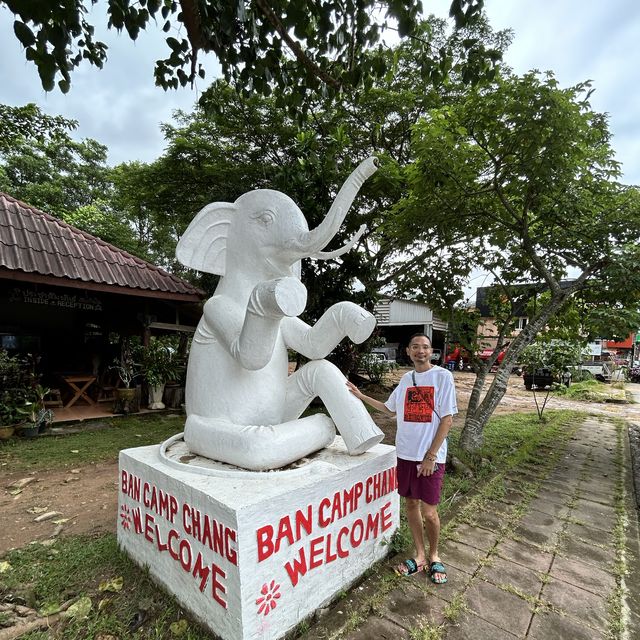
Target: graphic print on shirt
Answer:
[[419, 404]]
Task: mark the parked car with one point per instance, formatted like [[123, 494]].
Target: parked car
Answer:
[[436, 356], [538, 379], [381, 353]]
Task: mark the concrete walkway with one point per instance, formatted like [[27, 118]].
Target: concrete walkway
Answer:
[[540, 562]]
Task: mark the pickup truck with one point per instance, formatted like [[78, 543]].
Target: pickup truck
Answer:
[[600, 370]]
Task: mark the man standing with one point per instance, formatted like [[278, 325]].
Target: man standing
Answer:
[[424, 403]]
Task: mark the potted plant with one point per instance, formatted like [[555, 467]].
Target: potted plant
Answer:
[[9, 415], [14, 384], [128, 369], [160, 364], [36, 416]]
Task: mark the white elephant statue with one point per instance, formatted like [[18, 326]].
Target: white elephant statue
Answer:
[[242, 406]]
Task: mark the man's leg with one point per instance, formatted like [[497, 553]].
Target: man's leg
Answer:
[[432, 525], [414, 518]]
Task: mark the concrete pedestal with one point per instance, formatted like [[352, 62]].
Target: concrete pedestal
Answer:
[[251, 554]]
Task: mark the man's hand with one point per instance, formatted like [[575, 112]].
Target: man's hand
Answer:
[[427, 468], [356, 392]]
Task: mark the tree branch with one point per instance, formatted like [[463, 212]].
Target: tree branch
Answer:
[[295, 47]]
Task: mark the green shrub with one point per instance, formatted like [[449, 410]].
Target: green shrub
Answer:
[[374, 367], [16, 383]]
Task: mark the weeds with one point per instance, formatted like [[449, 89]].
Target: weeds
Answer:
[[44, 577], [616, 598], [426, 631], [455, 608], [591, 391]]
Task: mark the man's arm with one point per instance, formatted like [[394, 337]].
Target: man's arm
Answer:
[[429, 461], [372, 402]]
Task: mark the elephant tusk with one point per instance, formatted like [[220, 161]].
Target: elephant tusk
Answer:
[[327, 255]]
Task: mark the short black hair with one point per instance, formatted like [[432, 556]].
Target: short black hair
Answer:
[[420, 335]]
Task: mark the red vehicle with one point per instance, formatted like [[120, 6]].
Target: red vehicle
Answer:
[[485, 354], [457, 358]]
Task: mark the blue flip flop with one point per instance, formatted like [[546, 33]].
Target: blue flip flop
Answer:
[[409, 567], [437, 567]]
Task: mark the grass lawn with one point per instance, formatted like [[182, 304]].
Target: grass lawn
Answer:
[[109, 593], [100, 442], [593, 391]]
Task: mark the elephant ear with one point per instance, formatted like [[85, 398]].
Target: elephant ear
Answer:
[[204, 244]]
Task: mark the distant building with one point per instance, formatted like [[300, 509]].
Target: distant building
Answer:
[[488, 329], [398, 319]]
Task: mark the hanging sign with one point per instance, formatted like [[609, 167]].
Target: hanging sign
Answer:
[[51, 299]]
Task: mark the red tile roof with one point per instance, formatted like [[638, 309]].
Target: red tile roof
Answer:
[[34, 242]]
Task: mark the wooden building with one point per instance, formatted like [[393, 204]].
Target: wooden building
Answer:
[[66, 295]]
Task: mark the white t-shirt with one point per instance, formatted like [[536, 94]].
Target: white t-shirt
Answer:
[[419, 410]]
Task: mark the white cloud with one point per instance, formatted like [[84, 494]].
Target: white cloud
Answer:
[[583, 40], [120, 106]]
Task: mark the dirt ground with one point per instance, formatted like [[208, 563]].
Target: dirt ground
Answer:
[[83, 500]]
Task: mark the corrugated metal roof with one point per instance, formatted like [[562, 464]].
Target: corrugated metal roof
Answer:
[[32, 241]]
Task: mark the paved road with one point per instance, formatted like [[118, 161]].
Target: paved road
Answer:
[[539, 563]]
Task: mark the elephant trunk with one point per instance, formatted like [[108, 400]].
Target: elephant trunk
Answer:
[[311, 242]]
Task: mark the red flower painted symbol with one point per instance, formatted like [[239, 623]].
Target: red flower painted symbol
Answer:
[[125, 518], [269, 596]]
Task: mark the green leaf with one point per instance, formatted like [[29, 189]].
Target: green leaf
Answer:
[[79, 610], [23, 33], [113, 585], [179, 628], [47, 76], [173, 43], [49, 609]]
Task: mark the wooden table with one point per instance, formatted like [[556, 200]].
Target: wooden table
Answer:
[[79, 385]]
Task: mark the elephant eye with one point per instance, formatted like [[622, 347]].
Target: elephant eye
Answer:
[[265, 217]]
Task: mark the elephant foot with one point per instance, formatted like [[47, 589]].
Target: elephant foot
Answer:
[[360, 434], [363, 327], [258, 447]]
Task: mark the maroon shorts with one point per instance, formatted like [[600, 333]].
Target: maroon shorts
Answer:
[[425, 488]]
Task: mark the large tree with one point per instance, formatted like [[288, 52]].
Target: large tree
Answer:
[[41, 164], [519, 179], [232, 143], [18, 124], [296, 46]]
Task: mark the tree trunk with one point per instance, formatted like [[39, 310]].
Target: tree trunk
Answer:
[[478, 413], [478, 386]]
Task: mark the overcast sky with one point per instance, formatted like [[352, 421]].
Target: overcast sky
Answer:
[[121, 107]]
